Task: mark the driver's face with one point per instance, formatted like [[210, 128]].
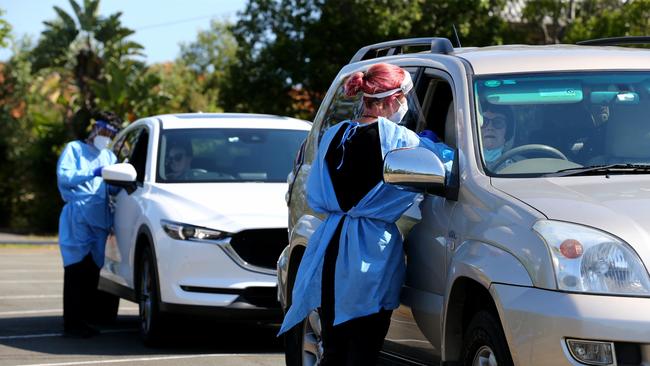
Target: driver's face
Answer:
[[493, 130], [179, 162]]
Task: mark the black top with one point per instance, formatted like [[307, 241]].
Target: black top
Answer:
[[362, 164]]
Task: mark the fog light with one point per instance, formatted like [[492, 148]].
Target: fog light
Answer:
[[592, 352]]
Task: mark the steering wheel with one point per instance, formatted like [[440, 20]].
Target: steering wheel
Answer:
[[528, 149], [195, 171]]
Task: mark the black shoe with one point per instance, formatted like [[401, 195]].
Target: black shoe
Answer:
[[80, 331]]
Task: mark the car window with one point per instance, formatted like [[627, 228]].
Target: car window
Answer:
[[227, 155], [438, 105], [139, 156], [543, 123], [124, 146]]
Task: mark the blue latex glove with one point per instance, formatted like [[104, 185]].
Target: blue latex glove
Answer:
[[98, 171], [429, 135]]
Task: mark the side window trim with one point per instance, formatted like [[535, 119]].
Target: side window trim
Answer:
[[135, 133], [142, 133], [117, 146], [430, 72]]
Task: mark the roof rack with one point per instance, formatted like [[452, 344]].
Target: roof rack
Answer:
[[438, 45], [614, 41]]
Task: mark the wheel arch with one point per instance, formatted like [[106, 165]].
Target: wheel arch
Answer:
[[144, 240], [294, 263], [474, 267], [298, 238]]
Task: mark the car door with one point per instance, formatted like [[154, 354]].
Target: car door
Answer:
[[416, 326], [127, 210]]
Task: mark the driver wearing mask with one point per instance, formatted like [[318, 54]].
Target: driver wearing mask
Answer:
[[495, 131]]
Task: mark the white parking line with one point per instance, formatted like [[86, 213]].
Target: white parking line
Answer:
[[31, 281], [47, 311], [28, 312], [407, 340], [400, 321], [45, 335], [164, 358], [22, 297], [30, 271]]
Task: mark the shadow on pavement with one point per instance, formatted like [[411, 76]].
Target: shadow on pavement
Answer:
[[185, 336]]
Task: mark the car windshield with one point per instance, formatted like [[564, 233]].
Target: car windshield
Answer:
[[542, 124], [227, 155]]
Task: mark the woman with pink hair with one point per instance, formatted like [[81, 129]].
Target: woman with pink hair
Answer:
[[353, 267]]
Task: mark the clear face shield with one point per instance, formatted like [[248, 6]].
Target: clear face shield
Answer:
[[405, 107]]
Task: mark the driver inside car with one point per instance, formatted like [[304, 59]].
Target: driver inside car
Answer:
[[179, 161], [496, 130]]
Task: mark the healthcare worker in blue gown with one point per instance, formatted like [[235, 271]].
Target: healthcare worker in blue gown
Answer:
[[84, 222], [353, 268]]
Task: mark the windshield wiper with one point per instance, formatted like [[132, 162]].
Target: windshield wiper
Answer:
[[602, 169]]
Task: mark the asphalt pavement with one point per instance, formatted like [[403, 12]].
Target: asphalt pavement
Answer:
[[31, 284]]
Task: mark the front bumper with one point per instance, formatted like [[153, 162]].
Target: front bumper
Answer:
[[537, 323], [203, 274]]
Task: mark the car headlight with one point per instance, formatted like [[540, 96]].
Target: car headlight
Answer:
[[180, 231], [589, 260]]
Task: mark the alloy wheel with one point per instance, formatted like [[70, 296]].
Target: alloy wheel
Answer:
[[145, 297], [484, 357], [312, 344]]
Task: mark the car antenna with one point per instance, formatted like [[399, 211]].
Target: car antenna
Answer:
[[456, 34]]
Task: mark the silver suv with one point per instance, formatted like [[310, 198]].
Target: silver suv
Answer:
[[534, 251]]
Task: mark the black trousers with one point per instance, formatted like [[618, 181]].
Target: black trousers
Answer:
[[80, 292], [356, 342]]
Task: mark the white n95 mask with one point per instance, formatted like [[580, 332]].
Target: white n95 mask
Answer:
[[101, 142], [400, 113]]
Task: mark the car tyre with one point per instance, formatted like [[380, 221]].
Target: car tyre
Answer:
[[303, 345], [151, 318], [485, 342]]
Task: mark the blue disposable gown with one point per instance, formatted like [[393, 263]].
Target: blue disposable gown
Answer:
[[370, 265], [85, 219]]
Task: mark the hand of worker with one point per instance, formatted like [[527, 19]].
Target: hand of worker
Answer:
[[429, 135]]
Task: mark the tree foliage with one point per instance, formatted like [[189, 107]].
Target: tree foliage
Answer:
[[5, 30], [82, 63], [294, 48], [279, 57], [557, 21], [94, 56]]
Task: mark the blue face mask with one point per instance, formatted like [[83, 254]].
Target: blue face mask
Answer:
[[491, 155]]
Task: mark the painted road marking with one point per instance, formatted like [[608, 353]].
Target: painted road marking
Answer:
[[22, 297], [407, 340], [142, 359], [45, 335], [31, 281], [30, 271], [47, 311]]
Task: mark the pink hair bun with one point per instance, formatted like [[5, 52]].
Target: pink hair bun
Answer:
[[354, 84]]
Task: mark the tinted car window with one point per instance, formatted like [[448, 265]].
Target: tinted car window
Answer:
[[139, 156], [227, 155], [124, 146]]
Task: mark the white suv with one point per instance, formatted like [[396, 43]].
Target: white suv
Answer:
[[205, 240]]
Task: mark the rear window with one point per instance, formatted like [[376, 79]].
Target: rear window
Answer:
[[227, 155]]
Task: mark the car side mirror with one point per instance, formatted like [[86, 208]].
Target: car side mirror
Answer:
[[415, 167], [121, 175]]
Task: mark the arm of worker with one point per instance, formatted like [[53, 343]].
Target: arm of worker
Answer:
[[430, 141], [68, 173]]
